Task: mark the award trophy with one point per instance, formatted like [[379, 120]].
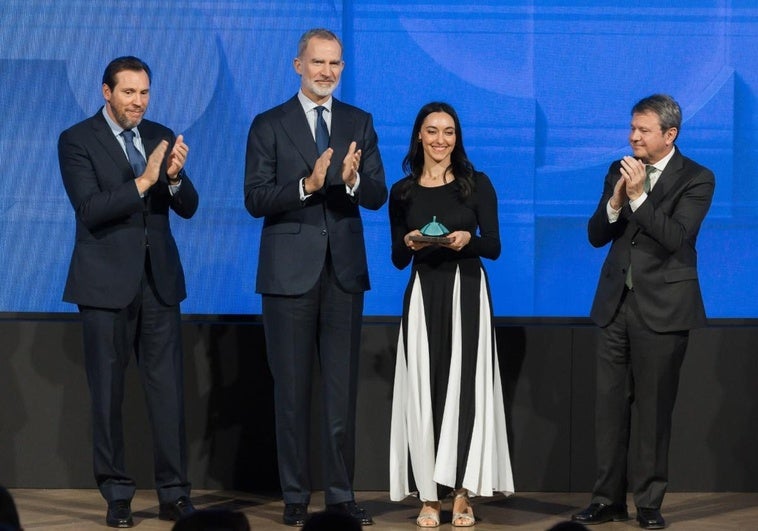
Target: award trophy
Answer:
[[433, 232]]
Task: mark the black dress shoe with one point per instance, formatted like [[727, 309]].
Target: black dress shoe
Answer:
[[295, 514], [176, 509], [650, 518], [119, 514], [599, 513], [353, 509]]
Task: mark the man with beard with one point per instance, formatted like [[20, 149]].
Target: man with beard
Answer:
[[122, 175], [311, 163]]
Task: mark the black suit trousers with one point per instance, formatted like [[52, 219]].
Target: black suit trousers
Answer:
[[150, 329], [323, 325], [637, 371]]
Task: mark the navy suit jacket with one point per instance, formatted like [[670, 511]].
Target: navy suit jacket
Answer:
[[658, 239], [295, 235], [113, 221]]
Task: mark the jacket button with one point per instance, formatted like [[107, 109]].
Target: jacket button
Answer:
[[323, 232]]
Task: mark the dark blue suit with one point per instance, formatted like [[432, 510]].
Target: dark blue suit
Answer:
[[312, 274], [127, 279]]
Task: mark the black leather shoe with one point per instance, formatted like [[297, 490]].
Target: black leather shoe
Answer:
[[650, 518], [599, 513], [119, 514], [295, 514], [353, 509], [176, 509]]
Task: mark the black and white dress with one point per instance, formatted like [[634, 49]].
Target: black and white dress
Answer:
[[448, 417]]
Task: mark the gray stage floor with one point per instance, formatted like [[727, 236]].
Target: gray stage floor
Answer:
[[85, 510]]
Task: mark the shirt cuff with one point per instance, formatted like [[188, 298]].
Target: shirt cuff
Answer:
[[351, 191], [613, 214], [301, 187], [634, 205]]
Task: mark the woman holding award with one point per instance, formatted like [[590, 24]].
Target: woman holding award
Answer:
[[448, 433]]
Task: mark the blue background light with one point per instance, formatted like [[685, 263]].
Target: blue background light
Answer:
[[543, 91]]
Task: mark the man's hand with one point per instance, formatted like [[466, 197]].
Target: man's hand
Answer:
[[153, 168], [315, 181], [633, 174], [350, 165], [619, 198], [177, 158]]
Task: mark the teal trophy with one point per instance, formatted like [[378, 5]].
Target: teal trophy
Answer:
[[434, 228], [433, 232]]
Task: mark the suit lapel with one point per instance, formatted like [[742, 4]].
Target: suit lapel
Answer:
[[339, 139], [150, 138], [668, 178], [296, 127], [104, 135], [342, 127]]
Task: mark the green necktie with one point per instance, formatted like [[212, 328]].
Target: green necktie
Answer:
[[649, 169]]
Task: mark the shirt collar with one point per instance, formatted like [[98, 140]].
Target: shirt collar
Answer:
[[115, 128], [661, 164], [308, 104]]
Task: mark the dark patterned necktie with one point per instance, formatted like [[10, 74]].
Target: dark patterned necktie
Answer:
[[322, 132], [136, 159]]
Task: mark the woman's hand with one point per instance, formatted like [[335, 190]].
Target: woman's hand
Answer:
[[461, 239], [414, 245]]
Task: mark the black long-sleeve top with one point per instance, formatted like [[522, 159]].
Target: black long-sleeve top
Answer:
[[477, 214]]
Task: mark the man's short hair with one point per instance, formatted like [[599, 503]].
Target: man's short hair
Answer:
[[119, 64], [668, 110], [320, 33]]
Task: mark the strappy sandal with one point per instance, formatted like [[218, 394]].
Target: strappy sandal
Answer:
[[465, 518], [429, 516]]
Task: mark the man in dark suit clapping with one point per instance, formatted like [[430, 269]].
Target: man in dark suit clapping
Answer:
[[647, 301], [312, 162], [122, 175]]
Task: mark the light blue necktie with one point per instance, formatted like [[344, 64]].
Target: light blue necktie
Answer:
[[322, 132], [136, 159]]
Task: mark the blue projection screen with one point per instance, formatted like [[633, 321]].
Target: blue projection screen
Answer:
[[543, 90]]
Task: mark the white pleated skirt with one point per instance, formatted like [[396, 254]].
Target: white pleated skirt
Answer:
[[416, 466]]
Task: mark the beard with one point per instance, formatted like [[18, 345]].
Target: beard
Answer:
[[320, 90], [124, 120]]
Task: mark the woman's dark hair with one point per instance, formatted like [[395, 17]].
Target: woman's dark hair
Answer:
[[460, 166]]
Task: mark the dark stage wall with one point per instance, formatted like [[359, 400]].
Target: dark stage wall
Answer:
[[548, 378]]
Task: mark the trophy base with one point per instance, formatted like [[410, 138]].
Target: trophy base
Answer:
[[431, 239]]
